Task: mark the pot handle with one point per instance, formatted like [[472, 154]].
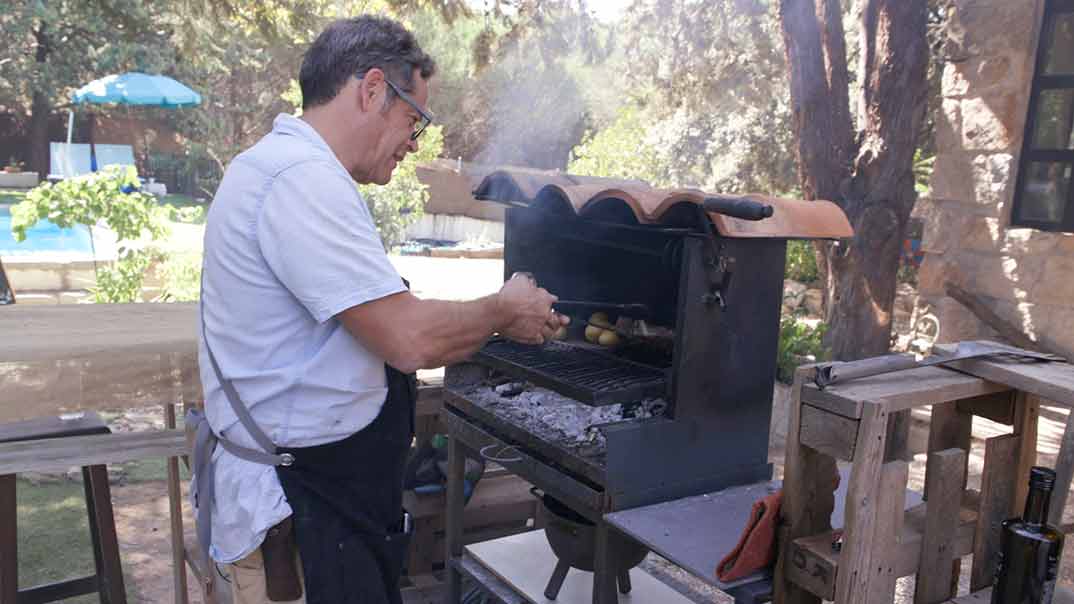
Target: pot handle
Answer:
[[495, 458]]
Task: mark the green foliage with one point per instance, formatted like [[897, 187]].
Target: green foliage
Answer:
[[799, 343], [122, 281], [181, 275], [188, 214], [107, 197], [801, 262], [923, 167], [713, 79], [621, 151], [400, 203]]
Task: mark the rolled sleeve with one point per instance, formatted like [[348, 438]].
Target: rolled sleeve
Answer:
[[320, 241]]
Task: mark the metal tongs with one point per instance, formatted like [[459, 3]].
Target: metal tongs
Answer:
[[839, 372]]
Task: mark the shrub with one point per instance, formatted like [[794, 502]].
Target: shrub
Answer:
[[801, 262], [799, 343], [110, 196]]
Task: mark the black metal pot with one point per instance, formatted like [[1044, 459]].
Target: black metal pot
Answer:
[[574, 542]]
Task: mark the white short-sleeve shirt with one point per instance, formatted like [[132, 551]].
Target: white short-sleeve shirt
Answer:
[[289, 243]]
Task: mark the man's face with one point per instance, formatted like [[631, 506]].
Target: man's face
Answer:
[[400, 120]]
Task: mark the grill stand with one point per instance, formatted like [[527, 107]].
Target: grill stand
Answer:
[[727, 329]]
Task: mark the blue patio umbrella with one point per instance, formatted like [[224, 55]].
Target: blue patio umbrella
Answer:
[[135, 88], [132, 88]]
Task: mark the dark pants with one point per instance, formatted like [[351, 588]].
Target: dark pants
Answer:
[[347, 499]]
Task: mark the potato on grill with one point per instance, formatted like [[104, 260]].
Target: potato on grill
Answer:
[[592, 333]]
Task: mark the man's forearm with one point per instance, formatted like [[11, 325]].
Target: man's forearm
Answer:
[[452, 331], [410, 333]]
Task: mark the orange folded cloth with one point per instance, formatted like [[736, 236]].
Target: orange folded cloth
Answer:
[[756, 547]]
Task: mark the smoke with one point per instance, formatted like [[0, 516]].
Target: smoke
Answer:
[[536, 117], [536, 105]]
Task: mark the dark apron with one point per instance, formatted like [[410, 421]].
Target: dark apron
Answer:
[[347, 503]]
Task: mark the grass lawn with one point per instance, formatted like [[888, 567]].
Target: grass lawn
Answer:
[[54, 541], [180, 200]]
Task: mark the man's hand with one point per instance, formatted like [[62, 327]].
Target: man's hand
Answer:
[[531, 319]]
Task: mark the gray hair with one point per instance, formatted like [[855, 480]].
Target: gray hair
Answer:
[[351, 47]]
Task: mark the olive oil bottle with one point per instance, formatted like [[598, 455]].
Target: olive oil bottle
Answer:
[[1029, 548]]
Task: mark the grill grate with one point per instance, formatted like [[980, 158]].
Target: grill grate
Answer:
[[587, 376]]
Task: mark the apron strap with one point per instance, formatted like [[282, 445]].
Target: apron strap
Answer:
[[205, 441]]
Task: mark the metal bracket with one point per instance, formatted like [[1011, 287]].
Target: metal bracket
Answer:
[[719, 266]]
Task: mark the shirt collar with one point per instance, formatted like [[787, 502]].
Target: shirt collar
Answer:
[[289, 125]]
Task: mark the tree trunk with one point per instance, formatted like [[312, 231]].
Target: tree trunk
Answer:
[[870, 173], [40, 110]]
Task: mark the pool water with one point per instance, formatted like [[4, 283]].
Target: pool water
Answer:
[[43, 237]]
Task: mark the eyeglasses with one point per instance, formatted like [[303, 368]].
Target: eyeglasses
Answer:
[[426, 117]]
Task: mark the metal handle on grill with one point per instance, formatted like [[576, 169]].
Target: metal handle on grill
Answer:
[[738, 207], [500, 460]]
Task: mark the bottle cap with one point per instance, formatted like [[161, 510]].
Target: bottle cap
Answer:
[[1041, 477]]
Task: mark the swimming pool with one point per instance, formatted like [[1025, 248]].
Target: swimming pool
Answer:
[[43, 237]]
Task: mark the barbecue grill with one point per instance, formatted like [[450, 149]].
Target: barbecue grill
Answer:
[[662, 422]]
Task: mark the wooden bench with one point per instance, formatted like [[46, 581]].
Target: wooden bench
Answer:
[[86, 451], [859, 422]]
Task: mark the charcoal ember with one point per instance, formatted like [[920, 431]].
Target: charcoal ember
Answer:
[[510, 389], [554, 417]]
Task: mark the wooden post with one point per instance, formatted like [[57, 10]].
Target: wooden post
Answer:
[[175, 510], [948, 469], [9, 541], [997, 492], [860, 549], [809, 479], [950, 428], [1064, 472], [893, 476], [1026, 412]]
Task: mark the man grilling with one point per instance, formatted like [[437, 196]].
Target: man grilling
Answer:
[[310, 337]]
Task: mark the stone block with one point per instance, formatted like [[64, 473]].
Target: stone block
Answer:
[[75, 297], [952, 177], [934, 273], [990, 123], [949, 126], [942, 229], [80, 275], [954, 82], [793, 293], [982, 234], [995, 276], [1065, 243], [814, 302], [993, 180], [1057, 282], [1056, 326], [35, 276], [1030, 242], [982, 27], [958, 323], [18, 180], [24, 299]]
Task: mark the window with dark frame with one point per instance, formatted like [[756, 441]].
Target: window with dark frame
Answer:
[[1044, 191]]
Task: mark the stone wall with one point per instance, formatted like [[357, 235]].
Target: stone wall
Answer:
[[1026, 276]]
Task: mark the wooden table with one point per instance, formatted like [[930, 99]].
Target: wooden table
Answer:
[[58, 359], [857, 422]]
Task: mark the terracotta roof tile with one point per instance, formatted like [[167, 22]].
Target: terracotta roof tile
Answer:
[[635, 201]]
